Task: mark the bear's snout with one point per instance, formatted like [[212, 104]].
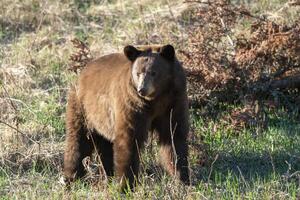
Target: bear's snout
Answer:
[[142, 91]]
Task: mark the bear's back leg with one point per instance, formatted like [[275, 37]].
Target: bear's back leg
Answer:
[[78, 145]]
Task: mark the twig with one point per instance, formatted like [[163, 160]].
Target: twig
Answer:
[[139, 155], [19, 101], [10, 101], [16, 129], [226, 30], [173, 145], [211, 167], [272, 162], [243, 178], [98, 156]]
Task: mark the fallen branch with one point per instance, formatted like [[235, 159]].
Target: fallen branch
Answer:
[[289, 82], [19, 131]]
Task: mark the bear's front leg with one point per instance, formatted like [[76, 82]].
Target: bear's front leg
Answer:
[[126, 159], [172, 130], [130, 136], [174, 153]]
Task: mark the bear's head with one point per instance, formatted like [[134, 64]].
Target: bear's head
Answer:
[[151, 72]]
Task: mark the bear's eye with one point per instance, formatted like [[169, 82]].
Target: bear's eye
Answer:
[[153, 73]]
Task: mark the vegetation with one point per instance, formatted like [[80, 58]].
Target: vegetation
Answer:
[[236, 152]]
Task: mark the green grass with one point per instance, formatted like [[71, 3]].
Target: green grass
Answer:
[[254, 166], [245, 166], [34, 50]]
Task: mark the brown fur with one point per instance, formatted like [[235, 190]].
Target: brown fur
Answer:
[[105, 104]]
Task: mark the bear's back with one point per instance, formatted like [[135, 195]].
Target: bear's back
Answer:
[[111, 63]]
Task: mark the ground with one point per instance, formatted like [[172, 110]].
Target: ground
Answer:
[[255, 163]]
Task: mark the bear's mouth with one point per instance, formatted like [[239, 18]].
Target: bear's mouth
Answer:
[[147, 92], [148, 97]]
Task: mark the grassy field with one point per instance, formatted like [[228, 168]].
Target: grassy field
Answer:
[[35, 46]]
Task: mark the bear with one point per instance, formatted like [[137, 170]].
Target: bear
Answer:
[[117, 101]]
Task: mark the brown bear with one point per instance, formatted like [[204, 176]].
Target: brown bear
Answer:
[[118, 100]]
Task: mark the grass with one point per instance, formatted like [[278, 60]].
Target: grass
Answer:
[[35, 46], [247, 166]]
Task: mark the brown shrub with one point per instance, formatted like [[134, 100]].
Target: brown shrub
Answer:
[[258, 63]]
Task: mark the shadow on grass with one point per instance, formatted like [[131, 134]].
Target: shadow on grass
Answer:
[[18, 163], [10, 31], [279, 156], [250, 165]]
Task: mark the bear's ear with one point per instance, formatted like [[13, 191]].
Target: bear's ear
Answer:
[[167, 52], [131, 52]]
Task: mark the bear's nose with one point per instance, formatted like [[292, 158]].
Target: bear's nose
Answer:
[[142, 91]]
